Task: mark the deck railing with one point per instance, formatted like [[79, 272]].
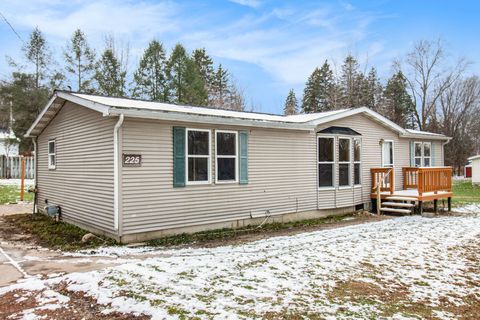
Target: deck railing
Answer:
[[432, 179], [386, 180]]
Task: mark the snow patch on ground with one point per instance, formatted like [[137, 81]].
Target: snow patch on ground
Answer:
[[289, 273], [16, 182], [470, 208]]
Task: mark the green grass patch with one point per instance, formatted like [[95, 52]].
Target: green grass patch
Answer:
[[55, 235], [231, 234], [465, 193], [11, 194]]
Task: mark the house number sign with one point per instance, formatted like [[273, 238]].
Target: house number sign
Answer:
[[132, 160]]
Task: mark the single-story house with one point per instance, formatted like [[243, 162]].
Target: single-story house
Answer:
[[475, 169], [136, 170]]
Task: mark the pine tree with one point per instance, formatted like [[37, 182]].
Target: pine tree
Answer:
[[220, 88], [150, 79], [109, 75], [80, 59], [319, 90], [350, 81], [399, 106], [185, 82], [291, 104], [36, 51], [205, 66]]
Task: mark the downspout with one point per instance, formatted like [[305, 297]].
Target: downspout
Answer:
[[443, 150], [116, 178], [35, 164]]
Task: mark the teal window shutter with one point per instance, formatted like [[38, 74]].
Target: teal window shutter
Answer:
[[412, 154], [243, 160], [178, 156], [432, 150]]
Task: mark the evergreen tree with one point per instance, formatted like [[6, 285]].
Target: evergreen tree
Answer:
[[80, 60], [350, 81], [150, 79], [291, 104], [36, 51], [185, 81], [205, 66], [398, 105], [109, 75], [220, 88], [319, 90], [371, 91]]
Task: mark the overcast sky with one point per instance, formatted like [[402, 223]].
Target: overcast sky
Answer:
[[269, 46]]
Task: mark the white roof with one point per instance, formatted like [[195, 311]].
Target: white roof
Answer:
[[111, 106], [418, 132], [474, 157]]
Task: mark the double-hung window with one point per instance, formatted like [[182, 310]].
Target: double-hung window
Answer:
[[198, 156], [52, 154], [423, 154], [326, 161], [357, 167], [226, 156], [344, 162]]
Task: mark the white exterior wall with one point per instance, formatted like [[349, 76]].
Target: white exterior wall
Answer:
[[476, 171]]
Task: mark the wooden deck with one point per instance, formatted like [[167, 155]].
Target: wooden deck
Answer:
[[419, 185], [422, 184]]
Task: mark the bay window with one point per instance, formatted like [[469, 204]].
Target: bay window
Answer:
[[326, 161], [198, 156], [226, 156]]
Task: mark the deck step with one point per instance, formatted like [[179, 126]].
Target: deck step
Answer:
[[398, 204], [398, 198], [406, 211]]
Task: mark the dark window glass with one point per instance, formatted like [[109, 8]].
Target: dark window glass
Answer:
[[356, 150], [344, 150], [51, 147], [325, 149], [426, 150], [226, 168], [426, 162], [325, 175], [356, 173], [197, 169], [226, 144], [418, 162], [344, 174], [418, 149], [198, 143]]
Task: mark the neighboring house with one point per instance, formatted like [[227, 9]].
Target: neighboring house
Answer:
[[475, 169], [8, 142], [136, 170], [468, 169]]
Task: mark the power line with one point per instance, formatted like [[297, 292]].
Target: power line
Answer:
[[11, 27]]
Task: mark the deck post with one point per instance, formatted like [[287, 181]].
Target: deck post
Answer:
[[420, 207], [435, 205], [374, 205], [449, 204]]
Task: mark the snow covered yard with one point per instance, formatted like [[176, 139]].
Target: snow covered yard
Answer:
[[401, 268]]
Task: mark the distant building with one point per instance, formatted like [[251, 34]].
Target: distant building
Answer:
[[8, 142], [475, 169]]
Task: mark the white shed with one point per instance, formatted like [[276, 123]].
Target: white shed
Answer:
[[475, 169]]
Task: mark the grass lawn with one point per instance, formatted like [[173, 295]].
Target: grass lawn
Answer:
[[11, 194], [52, 234], [465, 193]]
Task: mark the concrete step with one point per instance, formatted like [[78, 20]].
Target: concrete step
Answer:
[[398, 198], [398, 204], [393, 210]]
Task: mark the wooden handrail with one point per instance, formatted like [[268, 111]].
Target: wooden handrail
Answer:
[[379, 176], [427, 179]]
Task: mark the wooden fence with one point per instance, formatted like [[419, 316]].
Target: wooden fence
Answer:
[[11, 167]]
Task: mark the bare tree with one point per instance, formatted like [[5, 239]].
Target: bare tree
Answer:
[[458, 110], [428, 77]]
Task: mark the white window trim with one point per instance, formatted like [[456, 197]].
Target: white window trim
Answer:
[[415, 157], [209, 162], [217, 181], [349, 162], [422, 157], [332, 187], [357, 162], [393, 154], [52, 166]]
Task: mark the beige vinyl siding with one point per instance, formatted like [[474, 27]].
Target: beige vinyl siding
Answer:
[[282, 179], [82, 183]]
